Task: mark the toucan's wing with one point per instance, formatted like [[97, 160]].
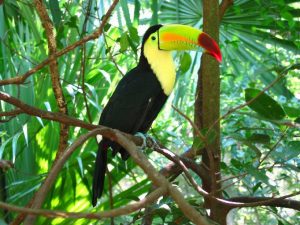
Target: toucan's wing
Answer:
[[132, 101]]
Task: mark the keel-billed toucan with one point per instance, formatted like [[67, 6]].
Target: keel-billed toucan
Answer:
[[142, 92]]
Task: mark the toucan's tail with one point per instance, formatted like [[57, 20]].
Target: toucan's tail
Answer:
[[99, 172]]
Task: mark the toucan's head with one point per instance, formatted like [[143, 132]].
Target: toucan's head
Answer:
[[180, 37]]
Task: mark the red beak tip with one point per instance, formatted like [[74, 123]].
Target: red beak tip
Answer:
[[210, 45]]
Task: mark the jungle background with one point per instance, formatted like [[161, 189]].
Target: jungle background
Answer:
[[67, 57]]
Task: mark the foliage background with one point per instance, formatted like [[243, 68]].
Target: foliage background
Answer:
[[258, 39]]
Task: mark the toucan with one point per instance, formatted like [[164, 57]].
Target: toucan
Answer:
[[142, 92]]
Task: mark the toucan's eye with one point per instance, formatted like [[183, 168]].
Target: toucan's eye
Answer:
[[153, 38]]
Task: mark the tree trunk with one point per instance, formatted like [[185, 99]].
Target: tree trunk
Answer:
[[207, 110]]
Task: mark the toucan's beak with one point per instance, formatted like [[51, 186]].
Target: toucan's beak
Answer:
[[182, 37]]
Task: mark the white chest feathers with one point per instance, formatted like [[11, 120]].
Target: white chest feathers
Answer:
[[163, 66]]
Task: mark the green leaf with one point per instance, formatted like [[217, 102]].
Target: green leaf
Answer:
[[246, 142], [185, 62], [124, 42], [292, 150], [80, 164], [134, 35], [198, 143], [289, 151], [259, 138], [162, 213], [154, 8], [125, 9], [258, 185], [56, 12], [264, 104], [107, 26], [72, 22], [258, 174], [137, 9], [236, 163], [291, 111], [14, 145]]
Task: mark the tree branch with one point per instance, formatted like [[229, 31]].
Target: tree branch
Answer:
[[225, 4], [246, 201], [56, 86]]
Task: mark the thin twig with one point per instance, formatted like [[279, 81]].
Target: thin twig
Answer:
[[14, 112], [83, 61], [209, 153], [56, 85]]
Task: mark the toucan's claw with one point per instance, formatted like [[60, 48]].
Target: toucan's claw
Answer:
[[144, 138], [148, 141]]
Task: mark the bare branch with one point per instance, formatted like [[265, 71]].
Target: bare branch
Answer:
[[267, 201], [10, 114]]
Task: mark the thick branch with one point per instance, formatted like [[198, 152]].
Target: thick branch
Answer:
[[266, 201]]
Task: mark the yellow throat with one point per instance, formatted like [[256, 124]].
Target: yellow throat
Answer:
[[162, 64]]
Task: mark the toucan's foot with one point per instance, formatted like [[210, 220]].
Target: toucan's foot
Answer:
[[148, 141], [144, 138]]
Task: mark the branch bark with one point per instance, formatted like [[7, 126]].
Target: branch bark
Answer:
[[225, 4], [266, 201]]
